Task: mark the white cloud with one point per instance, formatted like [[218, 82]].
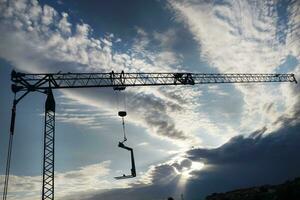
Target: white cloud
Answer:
[[64, 25], [85, 179], [52, 46], [143, 144], [242, 36]]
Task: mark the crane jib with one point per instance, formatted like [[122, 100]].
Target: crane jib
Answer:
[[34, 82]]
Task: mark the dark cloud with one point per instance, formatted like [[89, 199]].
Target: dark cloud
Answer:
[[241, 162], [180, 99], [186, 163], [244, 162], [155, 114], [247, 161], [164, 183]]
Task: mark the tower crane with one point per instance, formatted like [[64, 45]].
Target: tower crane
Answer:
[[25, 83]]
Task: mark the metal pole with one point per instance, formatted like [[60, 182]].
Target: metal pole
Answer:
[[10, 145], [49, 137]]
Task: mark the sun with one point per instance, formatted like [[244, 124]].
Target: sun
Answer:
[[185, 173]]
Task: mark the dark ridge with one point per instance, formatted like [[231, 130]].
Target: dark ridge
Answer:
[[289, 190]]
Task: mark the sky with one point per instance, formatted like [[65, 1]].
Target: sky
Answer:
[[190, 140]]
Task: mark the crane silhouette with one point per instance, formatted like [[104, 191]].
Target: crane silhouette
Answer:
[[24, 83]]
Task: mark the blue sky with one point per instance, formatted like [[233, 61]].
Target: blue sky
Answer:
[[185, 138]]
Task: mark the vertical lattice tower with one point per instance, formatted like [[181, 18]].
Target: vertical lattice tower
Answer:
[[49, 136]]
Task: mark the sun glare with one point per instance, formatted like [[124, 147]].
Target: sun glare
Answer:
[[185, 173]]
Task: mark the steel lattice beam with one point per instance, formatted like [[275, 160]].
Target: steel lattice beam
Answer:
[[49, 138], [33, 82]]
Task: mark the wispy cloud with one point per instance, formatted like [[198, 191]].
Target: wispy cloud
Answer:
[[75, 112], [48, 42], [243, 36]]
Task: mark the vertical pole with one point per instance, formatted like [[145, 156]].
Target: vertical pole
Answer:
[[133, 170], [11, 137], [49, 136]]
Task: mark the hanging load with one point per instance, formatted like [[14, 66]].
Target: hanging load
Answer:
[[121, 145], [122, 113], [133, 171]]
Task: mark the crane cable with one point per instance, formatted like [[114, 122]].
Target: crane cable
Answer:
[[124, 132], [9, 151], [122, 113]]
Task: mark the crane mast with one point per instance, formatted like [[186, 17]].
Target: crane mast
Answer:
[[24, 83]]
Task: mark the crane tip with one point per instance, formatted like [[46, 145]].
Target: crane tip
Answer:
[[294, 78]]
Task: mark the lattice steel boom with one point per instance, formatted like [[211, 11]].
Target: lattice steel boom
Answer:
[[33, 82]]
